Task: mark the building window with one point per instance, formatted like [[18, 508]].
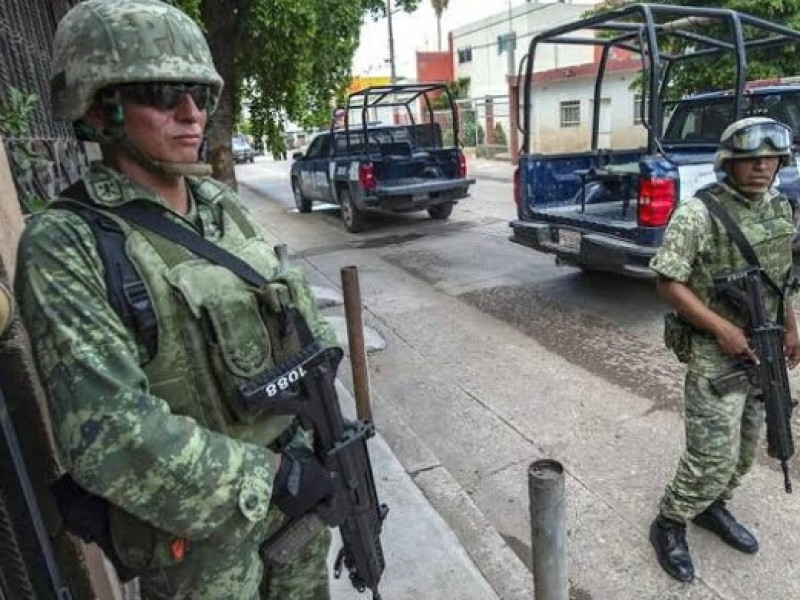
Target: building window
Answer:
[[507, 42], [465, 55], [570, 113], [637, 109]]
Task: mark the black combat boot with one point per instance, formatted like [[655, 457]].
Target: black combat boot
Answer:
[[669, 540], [717, 519]]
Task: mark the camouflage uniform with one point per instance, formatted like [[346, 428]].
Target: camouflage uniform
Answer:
[[158, 437], [721, 432], [161, 437]]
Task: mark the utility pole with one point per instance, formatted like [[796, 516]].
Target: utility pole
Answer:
[[512, 43], [391, 41]]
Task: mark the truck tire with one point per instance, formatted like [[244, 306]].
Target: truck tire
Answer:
[[354, 220], [302, 203], [440, 211]]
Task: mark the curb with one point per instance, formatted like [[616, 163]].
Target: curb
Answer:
[[493, 557]]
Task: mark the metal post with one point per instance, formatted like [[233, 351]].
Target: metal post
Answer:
[[548, 533], [6, 308], [355, 338], [282, 253], [391, 42]]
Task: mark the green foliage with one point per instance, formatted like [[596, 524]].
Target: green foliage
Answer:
[[291, 57], [500, 135], [16, 113], [459, 89], [473, 133], [716, 73]]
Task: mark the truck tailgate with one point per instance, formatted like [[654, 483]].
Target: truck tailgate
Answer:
[[420, 185]]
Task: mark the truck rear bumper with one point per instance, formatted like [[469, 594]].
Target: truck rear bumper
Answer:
[[417, 196], [587, 250]]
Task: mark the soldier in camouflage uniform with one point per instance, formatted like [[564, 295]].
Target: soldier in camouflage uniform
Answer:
[[186, 483], [721, 430]]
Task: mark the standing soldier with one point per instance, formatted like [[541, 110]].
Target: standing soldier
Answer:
[[141, 344], [722, 429]]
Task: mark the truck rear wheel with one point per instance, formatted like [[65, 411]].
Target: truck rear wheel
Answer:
[[302, 203], [354, 220], [441, 211]]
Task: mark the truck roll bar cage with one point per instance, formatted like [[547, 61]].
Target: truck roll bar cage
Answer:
[[639, 28]]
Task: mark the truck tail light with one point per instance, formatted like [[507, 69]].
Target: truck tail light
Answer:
[[462, 165], [656, 201], [366, 176], [517, 187]]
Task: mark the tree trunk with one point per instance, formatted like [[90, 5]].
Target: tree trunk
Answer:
[[221, 22]]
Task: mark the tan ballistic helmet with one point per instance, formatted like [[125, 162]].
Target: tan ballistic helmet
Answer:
[[752, 137], [101, 43]]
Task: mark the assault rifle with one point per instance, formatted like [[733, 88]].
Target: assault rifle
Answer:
[[744, 289], [304, 386]]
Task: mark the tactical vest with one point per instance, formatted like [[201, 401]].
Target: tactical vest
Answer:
[[201, 331]]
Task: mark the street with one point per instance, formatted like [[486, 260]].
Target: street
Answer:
[[496, 357]]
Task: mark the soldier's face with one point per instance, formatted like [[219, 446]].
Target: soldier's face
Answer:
[[166, 134], [754, 174]]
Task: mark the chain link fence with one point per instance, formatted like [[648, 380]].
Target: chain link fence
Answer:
[[43, 154]]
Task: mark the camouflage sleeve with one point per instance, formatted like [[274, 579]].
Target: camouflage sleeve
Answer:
[[116, 439], [683, 241]]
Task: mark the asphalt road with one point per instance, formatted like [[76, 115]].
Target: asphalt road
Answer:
[[496, 357]]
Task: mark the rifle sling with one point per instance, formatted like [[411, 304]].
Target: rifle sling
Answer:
[[152, 218]]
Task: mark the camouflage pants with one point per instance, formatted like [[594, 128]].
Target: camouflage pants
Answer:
[[721, 438], [213, 571]]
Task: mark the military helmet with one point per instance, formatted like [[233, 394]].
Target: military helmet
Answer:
[[752, 137], [101, 43]]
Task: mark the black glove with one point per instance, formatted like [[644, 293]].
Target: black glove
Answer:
[[300, 483]]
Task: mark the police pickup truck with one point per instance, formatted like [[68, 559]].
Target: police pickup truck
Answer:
[[400, 167], [606, 209]]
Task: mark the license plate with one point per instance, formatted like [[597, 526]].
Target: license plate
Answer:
[[569, 239], [420, 197]]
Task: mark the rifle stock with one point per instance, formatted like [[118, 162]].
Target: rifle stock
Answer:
[[341, 446], [745, 289]]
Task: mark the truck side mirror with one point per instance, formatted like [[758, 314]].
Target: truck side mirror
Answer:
[[297, 155]]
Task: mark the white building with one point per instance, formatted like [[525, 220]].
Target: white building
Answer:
[[489, 53]]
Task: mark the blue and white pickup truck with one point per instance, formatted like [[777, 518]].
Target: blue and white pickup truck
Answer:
[[607, 209], [394, 168]]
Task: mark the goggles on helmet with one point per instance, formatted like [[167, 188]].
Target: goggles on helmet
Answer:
[[751, 138], [167, 96]]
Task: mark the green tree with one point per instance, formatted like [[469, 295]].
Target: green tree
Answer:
[[459, 90], [500, 135], [715, 73], [439, 6], [288, 58]]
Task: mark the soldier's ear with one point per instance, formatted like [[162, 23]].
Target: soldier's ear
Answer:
[[97, 117]]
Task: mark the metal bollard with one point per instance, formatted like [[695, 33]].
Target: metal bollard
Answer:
[[548, 532]]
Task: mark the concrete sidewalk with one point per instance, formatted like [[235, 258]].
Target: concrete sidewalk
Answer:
[[424, 557]]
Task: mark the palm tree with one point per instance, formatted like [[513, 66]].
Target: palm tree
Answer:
[[439, 6]]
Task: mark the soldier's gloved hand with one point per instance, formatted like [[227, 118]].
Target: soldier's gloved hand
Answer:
[[300, 483]]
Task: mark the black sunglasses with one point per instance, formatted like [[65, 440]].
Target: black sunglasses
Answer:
[[167, 96]]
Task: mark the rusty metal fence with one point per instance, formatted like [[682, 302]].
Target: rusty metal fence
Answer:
[[43, 154]]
